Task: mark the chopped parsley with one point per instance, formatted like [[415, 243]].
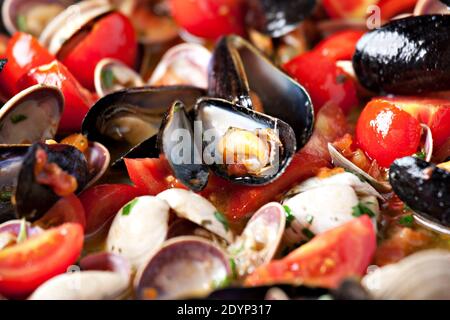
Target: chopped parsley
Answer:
[[222, 283], [233, 268], [22, 236], [361, 209], [108, 78], [21, 22], [309, 219], [308, 233], [406, 221], [5, 196], [127, 209], [221, 218], [16, 118], [289, 216], [406, 207], [421, 155]]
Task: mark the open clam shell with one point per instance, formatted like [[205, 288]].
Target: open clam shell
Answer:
[[239, 72], [185, 267], [98, 160], [31, 115], [193, 207], [123, 120], [260, 239]]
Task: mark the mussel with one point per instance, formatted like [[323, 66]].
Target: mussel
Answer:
[[239, 73], [406, 56], [424, 187]]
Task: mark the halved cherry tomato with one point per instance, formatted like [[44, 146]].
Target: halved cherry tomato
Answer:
[[78, 100], [112, 36], [340, 45], [23, 53], [25, 266], [385, 132], [392, 8], [209, 18], [348, 8], [326, 260], [102, 202], [67, 209], [435, 113], [324, 81]]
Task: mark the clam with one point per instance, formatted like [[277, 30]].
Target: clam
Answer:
[[185, 267], [31, 16], [425, 188], [10, 232], [240, 74], [98, 160], [405, 56], [123, 120], [277, 18], [31, 115], [193, 207], [139, 229], [424, 275], [259, 241], [112, 75], [184, 64], [242, 145], [102, 276]]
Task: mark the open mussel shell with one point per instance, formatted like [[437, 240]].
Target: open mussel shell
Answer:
[[177, 143], [32, 200], [424, 275], [277, 18], [424, 187], [241, 74], [31, 16], [122, 120], [406, 56], [185, 267], [31, 115], [260, 239]]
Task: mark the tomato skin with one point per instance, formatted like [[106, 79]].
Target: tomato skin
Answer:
[[77, 99], [340, 45], [323, 80], [25, 266], [23, 53], [209, 18], [102, 202], [326, 260], [392, 8], [67, 209], [347, 8], [83, 58], [385, 132]]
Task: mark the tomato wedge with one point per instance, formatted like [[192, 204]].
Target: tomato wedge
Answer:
[[326, 260], [341, 45], [25, 266], [348, 8], [392, 8], [102, 202], [67, 209]]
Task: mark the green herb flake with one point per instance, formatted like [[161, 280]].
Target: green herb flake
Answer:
[[309, 219], [289, 216], [222, 283], [361, 209], [22, 236], [406, 221], [406, 207], [221, 218], [308, 233], [5, 196], [421, 155], [21, 22], [108, 78], [233, 268], [16, 118], [130, 205]]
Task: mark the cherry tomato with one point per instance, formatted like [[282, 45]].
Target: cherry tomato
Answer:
[[25, 266], [67, 209], [340, 46], [326, 260], [78, 100], [385, 132], [23, 53], [435, 113], [392, 8], [102, 202], [324, 81], [209, 18], [113, 36], [347, 8]]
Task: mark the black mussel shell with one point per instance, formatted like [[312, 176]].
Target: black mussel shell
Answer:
[[122, 120], [447, 2], [278, 17], [424, 187], [238, 70], [184, 157], [32, 199], [406, 56], [11, 158], [219, 115], [2, 63]]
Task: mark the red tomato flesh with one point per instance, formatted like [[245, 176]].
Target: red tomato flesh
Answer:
[[67, 209], [348, 8], [340, 46]]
